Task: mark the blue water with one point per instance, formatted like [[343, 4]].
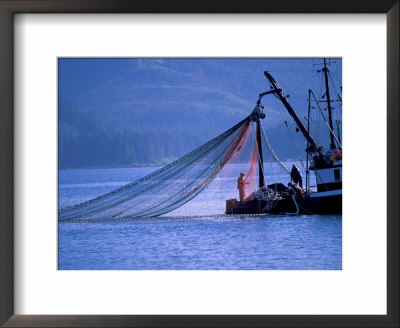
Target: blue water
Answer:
[[306, 242]]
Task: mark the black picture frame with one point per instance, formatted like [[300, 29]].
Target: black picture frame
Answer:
[[10, 7]]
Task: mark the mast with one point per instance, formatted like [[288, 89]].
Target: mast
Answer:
[[328, 98], [308, 130], [338, 129], [260, 157], [256, 115], [323, 116]]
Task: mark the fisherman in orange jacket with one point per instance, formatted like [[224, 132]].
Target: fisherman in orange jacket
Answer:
[[241, 186]]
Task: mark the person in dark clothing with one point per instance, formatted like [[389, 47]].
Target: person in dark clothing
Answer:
[[295, 175]]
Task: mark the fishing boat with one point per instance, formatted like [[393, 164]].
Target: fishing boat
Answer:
[[325, 164], [177, 183]]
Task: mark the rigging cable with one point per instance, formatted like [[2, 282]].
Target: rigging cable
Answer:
[[287, 126], [291, 92], [271, 150], [326, 122], [295, 147]]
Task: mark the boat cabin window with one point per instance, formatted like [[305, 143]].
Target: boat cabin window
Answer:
[[337, 174]]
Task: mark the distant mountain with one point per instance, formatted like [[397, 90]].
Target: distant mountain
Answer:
[[152, 111]]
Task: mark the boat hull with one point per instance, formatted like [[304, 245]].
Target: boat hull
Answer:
[[324, 204], [331, 204]]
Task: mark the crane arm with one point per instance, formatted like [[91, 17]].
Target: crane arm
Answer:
[[277, 91]]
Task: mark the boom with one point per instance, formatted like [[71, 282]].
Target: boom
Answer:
[[277, 91]]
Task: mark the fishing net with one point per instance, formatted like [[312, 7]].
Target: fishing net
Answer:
[[212, 200], [171, 186], [251, 181]]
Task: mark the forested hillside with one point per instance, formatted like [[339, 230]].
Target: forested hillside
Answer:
[[152, 111]]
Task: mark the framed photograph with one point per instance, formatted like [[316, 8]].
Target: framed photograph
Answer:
[[183, 165], [171, 147]]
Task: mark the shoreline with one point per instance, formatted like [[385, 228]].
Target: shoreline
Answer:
[[290, 160], [112, 167]]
